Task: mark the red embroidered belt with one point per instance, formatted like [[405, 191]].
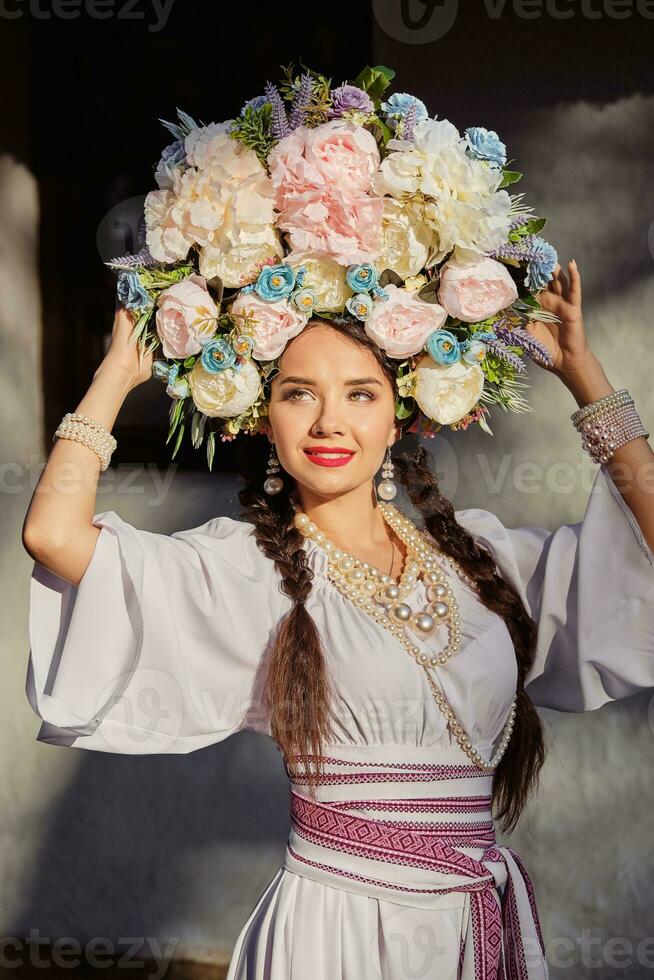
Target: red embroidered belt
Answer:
[[371, 829]]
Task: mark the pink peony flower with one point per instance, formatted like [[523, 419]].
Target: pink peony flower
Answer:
[[401, 324], [322, 181], [344, 154], [472, 288], [338, 153], [186, 316], [275, 323], [331, 225]]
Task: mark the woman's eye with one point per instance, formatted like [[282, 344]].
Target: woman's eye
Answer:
[[292, 395]]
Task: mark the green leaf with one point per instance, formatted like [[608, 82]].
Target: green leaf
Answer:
[[401, 409], [532, 226], [190, 361], [179, 440], [388, 276], [429, 292], [510, 177], [375, 80], [211, 448]]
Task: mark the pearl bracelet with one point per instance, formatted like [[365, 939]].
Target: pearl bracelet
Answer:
[[607, 424], [82, 429]]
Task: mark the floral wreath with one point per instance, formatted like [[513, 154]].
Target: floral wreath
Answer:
[[335, 202]]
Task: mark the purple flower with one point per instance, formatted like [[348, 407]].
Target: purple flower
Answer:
[[348, 98]]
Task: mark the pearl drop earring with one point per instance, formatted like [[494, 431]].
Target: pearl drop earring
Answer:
[[387, 489], [273, 484]]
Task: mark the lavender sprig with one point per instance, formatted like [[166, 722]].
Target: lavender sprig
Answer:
[[518, 336], [280, 127], [141, 259], [301, 101], [409, 123], [498, 348], [525, 249]]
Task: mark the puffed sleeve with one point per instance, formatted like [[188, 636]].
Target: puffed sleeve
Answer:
[[590, 588], [160, 646]]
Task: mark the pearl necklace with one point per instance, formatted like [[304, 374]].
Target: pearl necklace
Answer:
[[382, 598]]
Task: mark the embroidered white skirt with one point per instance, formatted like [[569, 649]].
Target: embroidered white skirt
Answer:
[[392, 871]]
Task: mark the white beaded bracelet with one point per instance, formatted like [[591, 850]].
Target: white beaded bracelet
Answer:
[[88, 432], [607, 424]]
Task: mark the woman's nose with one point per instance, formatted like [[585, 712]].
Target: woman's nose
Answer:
[[328, 420]]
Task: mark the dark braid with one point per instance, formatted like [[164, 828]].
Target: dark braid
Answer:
[[298, 691], [516, 774]]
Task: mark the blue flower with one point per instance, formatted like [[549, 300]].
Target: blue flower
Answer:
[[541, 264], [178, 389], [243, 343], [360, 306], [399, 104], [256, 103], [304, 299], [485, 144], [443, 347], [275, 282], [131, 293], [361, 278], [474, 353], [217, 355], [172, 162]]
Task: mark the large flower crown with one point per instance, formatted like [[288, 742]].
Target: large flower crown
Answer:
[[321, 201]]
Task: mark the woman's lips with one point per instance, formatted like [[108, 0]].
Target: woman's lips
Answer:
[[328, 459]]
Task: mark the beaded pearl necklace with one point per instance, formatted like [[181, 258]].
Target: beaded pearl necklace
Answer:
[[383, 598]]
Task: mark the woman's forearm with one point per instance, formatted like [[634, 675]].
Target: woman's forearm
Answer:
[[58, 529], [632, 465]]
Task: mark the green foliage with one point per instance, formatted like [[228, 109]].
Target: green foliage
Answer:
[[156, 279], [375, 81], [254, 130], [211, 448], [510, 177], [531, 227], [320, 102]]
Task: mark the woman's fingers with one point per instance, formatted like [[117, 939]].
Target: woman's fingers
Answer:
[[574, 290]]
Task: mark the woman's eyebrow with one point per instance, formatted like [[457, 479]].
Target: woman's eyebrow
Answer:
[[294, 380]]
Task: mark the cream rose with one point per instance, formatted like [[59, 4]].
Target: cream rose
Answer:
[[326, 278], [472, 289], [446, 393], [224, 394]]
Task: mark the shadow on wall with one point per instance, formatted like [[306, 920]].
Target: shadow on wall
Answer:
[[167, 853]]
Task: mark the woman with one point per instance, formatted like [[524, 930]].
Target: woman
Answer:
[[396, 761]]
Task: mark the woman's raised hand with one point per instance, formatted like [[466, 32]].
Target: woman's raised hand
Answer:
[[124, 353]]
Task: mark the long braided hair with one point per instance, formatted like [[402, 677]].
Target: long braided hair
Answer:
[[298, 693]]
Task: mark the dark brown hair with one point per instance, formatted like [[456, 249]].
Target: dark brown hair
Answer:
[[298, 694]]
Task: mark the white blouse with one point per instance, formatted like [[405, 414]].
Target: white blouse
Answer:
[[164, 645]]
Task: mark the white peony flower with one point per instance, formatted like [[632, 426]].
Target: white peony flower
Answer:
[[224, 394], [406, 240], [200, 142], [225, 208], [447, 392], [462, 201]]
